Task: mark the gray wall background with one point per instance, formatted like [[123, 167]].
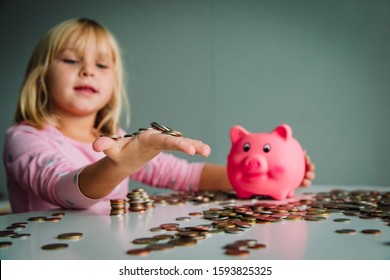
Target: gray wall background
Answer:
[[202, 66]]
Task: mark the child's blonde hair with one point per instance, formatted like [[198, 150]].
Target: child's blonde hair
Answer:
[[34, 105]]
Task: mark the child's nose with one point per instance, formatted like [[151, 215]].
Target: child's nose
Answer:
[[86, 71]]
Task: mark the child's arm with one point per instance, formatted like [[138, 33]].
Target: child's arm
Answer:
[[214, 177], [127, 155]]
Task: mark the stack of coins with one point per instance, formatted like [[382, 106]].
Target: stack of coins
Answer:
[[118, 207], [139, 201]]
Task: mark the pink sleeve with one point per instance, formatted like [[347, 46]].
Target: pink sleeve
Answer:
[[37, 165], [168, 171]]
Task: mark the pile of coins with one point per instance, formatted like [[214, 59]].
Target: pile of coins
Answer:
[[118, 207], [166, 130], [162, 128], [240, 247], [139, 201], [12, 231], [233, 219]]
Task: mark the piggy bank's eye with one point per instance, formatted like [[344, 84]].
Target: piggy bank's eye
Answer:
[[267, 148], [247, 147]]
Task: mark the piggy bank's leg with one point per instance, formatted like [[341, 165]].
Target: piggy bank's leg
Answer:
[[243, 194], [291, 193], [280, 196]]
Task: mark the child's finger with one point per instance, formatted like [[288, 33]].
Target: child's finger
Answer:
[[103, 143]]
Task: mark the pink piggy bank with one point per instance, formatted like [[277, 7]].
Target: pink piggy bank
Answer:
[[267, 164]]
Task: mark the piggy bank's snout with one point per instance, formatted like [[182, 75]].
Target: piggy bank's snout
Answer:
[[255, 164]]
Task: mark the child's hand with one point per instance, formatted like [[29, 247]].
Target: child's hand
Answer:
[[309, 175], [139, 149]]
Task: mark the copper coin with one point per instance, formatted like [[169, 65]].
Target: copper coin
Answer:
[[233, 252], [246, 242], [170, 226], [242, 224], [195, 214], [119, 201], [371, 231], [164, 237], [346, 231], [160, 247], [188, 234], [55, 246], [257, 246], [183, 242], [145, 240], [202, 228], [140, 251], [5, 244], [70, 235]]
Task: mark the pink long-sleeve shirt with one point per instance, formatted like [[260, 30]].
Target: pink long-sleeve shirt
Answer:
[[42, 168]]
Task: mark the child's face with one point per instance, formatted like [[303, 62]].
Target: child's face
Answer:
[[80, 84]]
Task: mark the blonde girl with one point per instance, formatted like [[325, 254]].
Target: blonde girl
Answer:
[[72, 93]]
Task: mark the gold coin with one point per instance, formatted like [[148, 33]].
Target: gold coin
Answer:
[[70, 235], [55, 246], [37, 219]]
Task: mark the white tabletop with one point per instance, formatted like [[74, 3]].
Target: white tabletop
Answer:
[[110, 237]]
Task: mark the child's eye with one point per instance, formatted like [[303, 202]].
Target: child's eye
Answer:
[[69, 61], [102, 66]]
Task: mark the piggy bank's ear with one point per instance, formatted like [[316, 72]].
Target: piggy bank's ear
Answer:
[[236, 132], [284, 131]]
